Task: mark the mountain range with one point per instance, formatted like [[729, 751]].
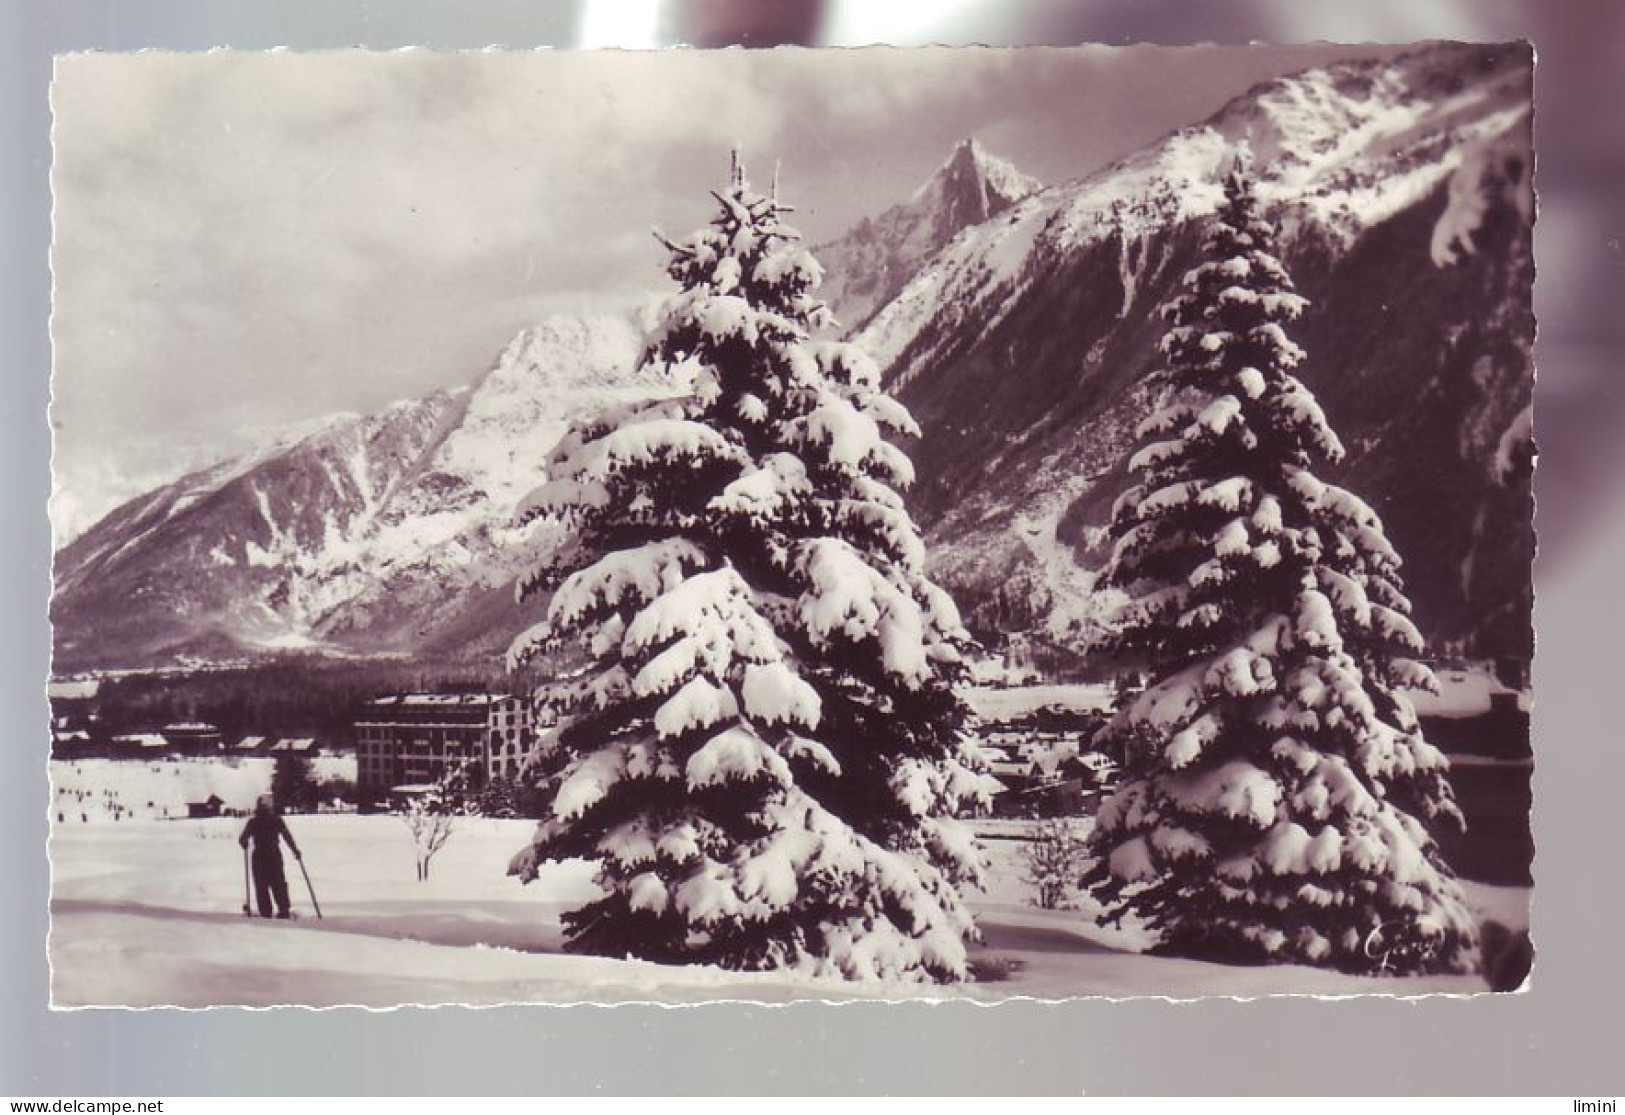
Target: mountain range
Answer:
[[1018, 321], [1403, 193]]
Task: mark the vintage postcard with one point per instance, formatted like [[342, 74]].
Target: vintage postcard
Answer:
[[553, 527]]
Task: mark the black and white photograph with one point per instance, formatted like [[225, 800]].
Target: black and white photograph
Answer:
[[918, 523]]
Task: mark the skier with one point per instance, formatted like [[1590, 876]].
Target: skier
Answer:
[[265, 828]]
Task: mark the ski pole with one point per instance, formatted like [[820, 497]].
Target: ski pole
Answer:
[[245, 883], [301, 861]]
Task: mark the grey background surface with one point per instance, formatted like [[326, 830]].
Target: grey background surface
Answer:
[[1558, 1038]]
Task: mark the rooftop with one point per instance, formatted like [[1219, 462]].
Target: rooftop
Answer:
[[438, 700]]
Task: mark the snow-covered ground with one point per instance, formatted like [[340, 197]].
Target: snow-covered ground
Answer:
[[1464, 691], [148, 913], [997, 704], [92, 791]]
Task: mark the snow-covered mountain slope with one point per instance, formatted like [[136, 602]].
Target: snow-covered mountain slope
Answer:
[[1402, 189], [446, 540], [865, 268], [1018, 324], [372, 534]]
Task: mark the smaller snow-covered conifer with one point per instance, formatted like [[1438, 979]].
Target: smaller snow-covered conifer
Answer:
[[1277, 789], [1053, 861]]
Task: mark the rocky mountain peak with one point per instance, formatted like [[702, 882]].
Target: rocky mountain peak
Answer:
[[971, 186], [868, 266]]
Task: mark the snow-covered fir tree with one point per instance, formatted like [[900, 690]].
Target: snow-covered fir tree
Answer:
[[1277, 790], [764, 753]]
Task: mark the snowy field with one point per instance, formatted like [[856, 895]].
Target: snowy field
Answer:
[[1464, 691], [996, 704], [148, 913], [93, 791]]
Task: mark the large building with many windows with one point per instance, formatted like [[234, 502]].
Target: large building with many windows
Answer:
[[416, 739]]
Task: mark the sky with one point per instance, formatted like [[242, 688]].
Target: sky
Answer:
[[245, 242]]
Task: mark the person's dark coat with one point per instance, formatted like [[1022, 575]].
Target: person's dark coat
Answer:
[[265, 829]]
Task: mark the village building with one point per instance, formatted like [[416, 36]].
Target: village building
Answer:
[[417, 739], [73, 716], [306, 747], [141, 745], [192, 738], [73, 699], [71, 744], [1044, 772], [208, 807]]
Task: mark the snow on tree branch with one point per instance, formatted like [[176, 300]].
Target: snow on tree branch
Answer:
[[764, 753], [1276, 789]]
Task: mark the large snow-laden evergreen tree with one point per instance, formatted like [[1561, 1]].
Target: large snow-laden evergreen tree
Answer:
[[764, 753], [1277, 789]]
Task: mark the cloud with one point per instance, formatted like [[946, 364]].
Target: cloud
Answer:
[[225, 216]]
